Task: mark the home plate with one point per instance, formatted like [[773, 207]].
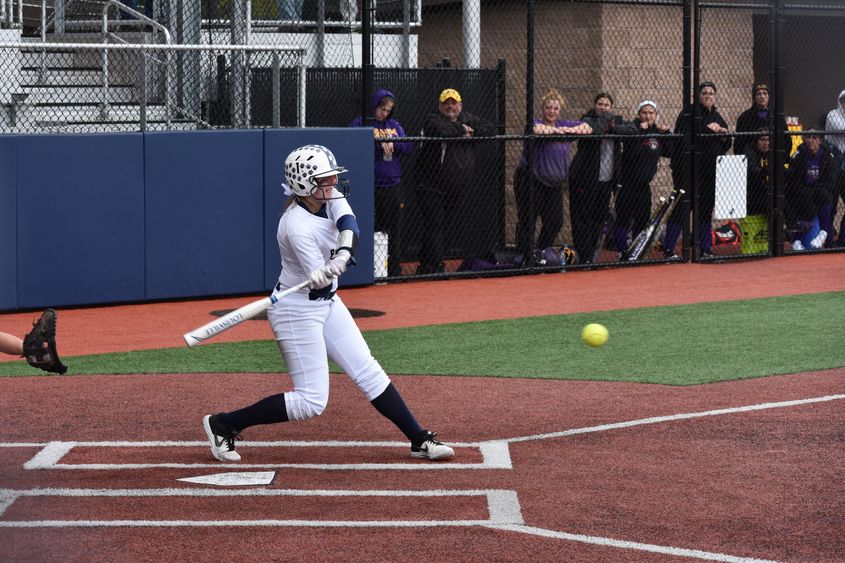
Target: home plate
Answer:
[[233, 479]]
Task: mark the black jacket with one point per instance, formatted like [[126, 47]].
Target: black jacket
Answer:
[[749, 121], [711, 147], [586, 165], [641, 156], [449, 163], [757, 186], [804, 199]]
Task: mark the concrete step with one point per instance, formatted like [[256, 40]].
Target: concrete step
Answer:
[[59, 58], [62, 76], [59, 115], [130, 36], [117, 127], [71, 94]]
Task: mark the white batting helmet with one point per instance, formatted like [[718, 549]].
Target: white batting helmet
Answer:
[[305, 164]]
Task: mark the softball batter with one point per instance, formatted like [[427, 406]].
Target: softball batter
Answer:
[[317, 237]]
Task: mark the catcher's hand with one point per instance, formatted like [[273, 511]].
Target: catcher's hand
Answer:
[[39, 346]]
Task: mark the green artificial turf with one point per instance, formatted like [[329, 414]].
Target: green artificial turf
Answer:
[[677, 345]]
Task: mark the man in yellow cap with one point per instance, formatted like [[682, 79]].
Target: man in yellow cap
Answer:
[[444, 169]]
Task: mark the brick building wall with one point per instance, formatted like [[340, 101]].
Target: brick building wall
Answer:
[[633, 52]]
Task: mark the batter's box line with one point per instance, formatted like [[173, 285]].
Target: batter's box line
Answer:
[[494, 455], [502, 506]]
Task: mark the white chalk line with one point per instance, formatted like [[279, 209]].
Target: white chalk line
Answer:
[[503, 508], [498, 445], [672, 418], [495, 455], [502, 505], [623, 544]]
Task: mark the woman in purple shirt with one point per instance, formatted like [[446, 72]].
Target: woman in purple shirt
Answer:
[[389, 190], [549, 171]]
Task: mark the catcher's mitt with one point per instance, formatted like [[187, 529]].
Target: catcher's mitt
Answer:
[[39, 346]]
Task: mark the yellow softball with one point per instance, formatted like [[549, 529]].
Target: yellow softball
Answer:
[[594, 335]]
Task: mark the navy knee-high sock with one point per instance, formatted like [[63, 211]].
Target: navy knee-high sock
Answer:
[[392, 407], [266, 411]]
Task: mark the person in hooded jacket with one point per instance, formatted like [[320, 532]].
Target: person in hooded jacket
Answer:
[[836, 122], [389, 188], [810, 182], [712, 146], [756, 118]]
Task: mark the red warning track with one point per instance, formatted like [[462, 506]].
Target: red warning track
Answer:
[[546, 470]]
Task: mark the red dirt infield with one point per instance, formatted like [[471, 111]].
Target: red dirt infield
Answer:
[[544, 471]]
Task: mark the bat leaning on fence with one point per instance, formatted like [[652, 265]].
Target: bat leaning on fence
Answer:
[[236, 317], [643, 241]]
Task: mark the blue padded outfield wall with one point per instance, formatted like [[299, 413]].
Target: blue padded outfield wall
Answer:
[[8, 223], [94, 219]]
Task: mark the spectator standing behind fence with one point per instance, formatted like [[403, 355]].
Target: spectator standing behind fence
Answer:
[[549, 172], [445, 168], [756, 118], [593, 176], [810, 181], [712, 147], [638, 165], [757, 185], [389, 190], [836, 122]]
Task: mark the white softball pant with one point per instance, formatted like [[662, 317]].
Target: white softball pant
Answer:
[[307, 333]]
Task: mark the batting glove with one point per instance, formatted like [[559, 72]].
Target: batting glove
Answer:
[[338, 264], [319, 278]]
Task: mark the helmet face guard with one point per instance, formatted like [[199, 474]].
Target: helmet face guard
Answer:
[[342, 186], [304, 165]]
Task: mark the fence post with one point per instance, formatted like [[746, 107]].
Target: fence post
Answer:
[[406, 34], [276, 87], [778, 34], [321, 34], [471, 31], [238, 70], [142, 86], [59, 16], [691, 235], [301, 106], [529, 129], [366, 63]]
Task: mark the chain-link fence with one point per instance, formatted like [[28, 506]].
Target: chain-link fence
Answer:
[[586, 131], [792, 187]]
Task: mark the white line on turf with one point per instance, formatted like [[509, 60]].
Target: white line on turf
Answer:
[[240, 523], [503, 506], [50, 455], [494, 454], [418, 466], [6, 500], [622, 544], [673, 417]]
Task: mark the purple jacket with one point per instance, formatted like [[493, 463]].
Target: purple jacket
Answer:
[[551, 158], [387, 172]]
